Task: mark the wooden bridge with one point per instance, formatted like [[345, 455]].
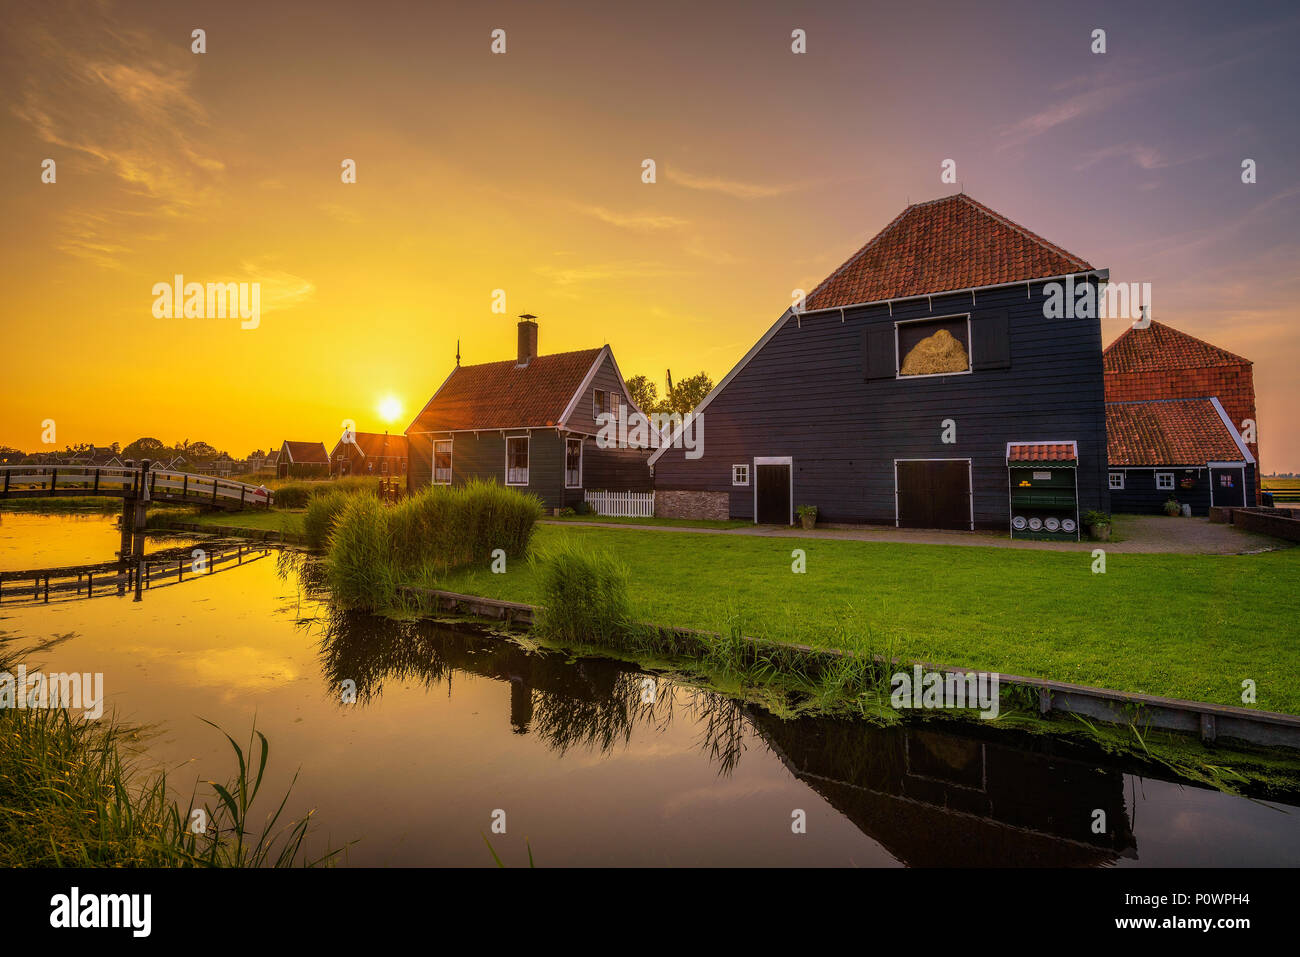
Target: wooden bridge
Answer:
[[139, 483], [137, 487], [168, 567]]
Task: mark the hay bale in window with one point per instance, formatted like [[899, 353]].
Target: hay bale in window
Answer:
[[935, 354]]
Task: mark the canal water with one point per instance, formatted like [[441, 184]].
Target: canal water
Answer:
[[590, 762]]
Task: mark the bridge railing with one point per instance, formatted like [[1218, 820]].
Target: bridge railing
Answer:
[[74, 480]]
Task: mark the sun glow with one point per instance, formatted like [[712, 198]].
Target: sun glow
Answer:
[[390, 408]]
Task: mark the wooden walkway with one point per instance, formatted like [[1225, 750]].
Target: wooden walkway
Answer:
[[157, 485]]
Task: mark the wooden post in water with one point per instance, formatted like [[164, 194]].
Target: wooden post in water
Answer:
[[140, 509]]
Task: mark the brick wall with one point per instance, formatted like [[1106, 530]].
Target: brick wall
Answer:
[[670, 503]]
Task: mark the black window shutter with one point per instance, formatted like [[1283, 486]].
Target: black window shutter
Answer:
[[992, 346], [878, 359]]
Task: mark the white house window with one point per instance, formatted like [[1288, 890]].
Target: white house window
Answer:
[[1117, 481], [573, 463], [442, 463], [517, 460], [1165, 481], [604, 401], [740, 474]]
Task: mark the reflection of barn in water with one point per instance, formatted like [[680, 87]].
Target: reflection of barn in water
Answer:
[[942, 798], [929, 797]]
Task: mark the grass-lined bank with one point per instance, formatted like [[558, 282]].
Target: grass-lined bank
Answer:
[[74, 793], [1178, 626]]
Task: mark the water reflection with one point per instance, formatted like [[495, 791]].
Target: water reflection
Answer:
[[930, 795]]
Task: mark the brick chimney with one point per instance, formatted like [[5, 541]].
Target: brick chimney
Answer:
[[527, 339]]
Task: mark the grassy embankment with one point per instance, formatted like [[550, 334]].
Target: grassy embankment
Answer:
[[1180, 626], [73, 794]]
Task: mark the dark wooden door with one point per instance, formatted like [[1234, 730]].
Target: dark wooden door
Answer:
[[1227, 487], [933, 494], [773, 494]]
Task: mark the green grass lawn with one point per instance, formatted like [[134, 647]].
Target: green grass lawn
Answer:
[[262, 520], [1181, 626]]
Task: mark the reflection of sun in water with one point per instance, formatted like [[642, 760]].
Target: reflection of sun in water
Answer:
[[390, 407]]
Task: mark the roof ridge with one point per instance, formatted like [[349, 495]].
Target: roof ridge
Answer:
[[1027, 233], [1178, 332]]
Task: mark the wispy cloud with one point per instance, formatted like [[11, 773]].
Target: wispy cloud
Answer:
[[279, 289], [740, 189], [637, 221], [603, 272]]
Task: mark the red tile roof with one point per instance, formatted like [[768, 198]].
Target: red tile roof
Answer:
[[943, 245], [1042, 452], [502, 395], [307, 453], [1168, 432], [1160, 347], [378, 444]]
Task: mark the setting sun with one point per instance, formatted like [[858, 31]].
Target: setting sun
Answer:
[[390, 408]]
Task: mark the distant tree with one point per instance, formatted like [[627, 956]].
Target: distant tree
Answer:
[[200, 451], [643, 392], [143, 448], [11, 456], [687, 394]]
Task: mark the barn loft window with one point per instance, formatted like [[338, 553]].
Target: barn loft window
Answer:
[[740, 474], [517, 460], [442, 463], [573, 463], [934, 346], [1165, 481], [1117, 481]]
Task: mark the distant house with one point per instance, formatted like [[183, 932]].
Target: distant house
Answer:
[[302, 460], [528, 423], [369, 453], [1185, 449], [903, 390], [1161, 362]]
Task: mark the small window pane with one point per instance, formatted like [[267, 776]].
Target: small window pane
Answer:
[[573, 463], [1117, 480], [517, 461], [442, 463]]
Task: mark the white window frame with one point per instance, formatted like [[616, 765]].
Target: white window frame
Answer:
[[1165, 476], [528, 454], [1110, 481], [734, 480], [970, 346], [451, 452], [567, 441]]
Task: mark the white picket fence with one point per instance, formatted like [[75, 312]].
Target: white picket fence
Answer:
[[622, 504]]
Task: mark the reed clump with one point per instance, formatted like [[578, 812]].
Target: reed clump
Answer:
[[374, 548], [584, 595]]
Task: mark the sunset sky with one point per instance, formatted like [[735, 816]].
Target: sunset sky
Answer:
[[522, 172]]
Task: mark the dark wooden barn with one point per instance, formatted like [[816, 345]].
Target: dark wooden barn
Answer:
[[893, 395]]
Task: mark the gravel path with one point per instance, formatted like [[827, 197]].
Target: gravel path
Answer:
[[1139, 533]]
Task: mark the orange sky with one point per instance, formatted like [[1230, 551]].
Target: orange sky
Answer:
[[523, 172]]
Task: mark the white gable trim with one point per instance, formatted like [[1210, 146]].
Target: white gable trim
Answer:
[[431, 401], [586, 381], [1232, 430], [726, 380]]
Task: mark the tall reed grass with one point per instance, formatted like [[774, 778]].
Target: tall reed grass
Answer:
[[584, 594], [73, 796], [374, 547]]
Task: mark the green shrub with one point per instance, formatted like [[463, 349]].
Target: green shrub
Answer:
[[584, 594], [294, 495], [322, 511]]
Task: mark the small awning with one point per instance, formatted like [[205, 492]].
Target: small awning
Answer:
[[1032, 453]]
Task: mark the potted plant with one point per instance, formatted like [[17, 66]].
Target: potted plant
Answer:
[[1098, 524], [1172, 508], [807, 515]]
